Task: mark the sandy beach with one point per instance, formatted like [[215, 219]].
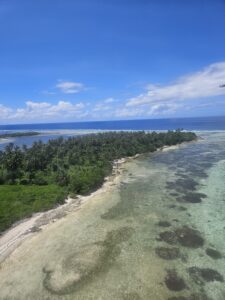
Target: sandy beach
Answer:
[[5, 141], [22, 230]]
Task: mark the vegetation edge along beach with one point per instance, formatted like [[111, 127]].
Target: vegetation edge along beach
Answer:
[[41, 177]]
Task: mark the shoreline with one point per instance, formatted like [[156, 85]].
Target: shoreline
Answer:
[[12, 238], [21, 230], [6, 140]]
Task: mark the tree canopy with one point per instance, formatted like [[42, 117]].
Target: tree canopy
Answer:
[[76, 165]]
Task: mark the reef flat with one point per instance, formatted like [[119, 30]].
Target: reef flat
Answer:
[[157, 233]]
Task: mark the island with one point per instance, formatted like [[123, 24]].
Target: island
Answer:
[[18, 134], [40, 177]]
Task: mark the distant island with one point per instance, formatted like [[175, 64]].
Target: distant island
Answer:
[[40, 177], [18, 134]]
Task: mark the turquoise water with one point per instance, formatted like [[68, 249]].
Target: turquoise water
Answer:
[[158, 234]]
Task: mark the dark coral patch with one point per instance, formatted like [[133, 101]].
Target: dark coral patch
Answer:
[[172, 206], [189, 237], [185, 236], [192, 198], [184, 176], [182, 208], [164, 224], [182, 184], [202, 275], [187, 184], [168, 253], [173, 194], [213, 253], [174, 282], [175, 220], [171, 185], [211, 275], [168, 237]]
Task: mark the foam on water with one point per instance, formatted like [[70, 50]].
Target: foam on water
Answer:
[[146, 238]]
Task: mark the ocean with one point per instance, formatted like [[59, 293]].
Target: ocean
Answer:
[[53, 130], [200, 123]]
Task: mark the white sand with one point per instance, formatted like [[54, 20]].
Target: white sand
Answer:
[[5, 141], [13, 237]]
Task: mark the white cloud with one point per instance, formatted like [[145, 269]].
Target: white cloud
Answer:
[[158, 100], [70, 87], [37, 111], [64, 106], [101, 107], [109, 100], [37, 105], [163, 109], [128, 113], [5, 111], [203, 84], [104, 105]]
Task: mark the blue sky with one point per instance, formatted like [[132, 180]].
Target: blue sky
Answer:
[[73, 60]]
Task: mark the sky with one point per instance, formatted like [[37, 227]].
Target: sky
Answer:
[[82, 60]]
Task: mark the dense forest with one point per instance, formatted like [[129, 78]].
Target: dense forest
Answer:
[[37, 178]]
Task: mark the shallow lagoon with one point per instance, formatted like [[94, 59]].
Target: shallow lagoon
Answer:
[[157, 234]]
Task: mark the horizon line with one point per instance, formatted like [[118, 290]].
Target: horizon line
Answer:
[[119, 120]]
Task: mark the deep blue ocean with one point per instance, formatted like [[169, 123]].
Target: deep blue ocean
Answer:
[[195, 124], [200, 123]]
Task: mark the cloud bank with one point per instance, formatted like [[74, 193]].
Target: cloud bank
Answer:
[[197, 91], [37, 111], [202, 84]]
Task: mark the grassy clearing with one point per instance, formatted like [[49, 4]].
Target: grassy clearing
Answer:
[[18, 201]]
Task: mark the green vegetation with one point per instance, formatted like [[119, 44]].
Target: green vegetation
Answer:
[[18, 201], [18, 134], [38, 178]]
